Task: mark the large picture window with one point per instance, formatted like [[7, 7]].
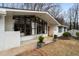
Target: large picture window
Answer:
[[28, 29], [29, 25], [23, 25], [41, 27]]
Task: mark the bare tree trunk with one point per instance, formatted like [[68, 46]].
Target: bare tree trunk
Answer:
[[77, 16], [74, 16], [70, 25]]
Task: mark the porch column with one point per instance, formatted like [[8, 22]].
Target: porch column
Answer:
[[2, 23], [46, 29], [36, 28], [33, 28]]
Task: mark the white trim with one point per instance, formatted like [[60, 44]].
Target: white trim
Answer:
[[32, 37], [27, 11]]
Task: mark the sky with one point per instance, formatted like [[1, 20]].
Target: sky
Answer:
[[66, 6]]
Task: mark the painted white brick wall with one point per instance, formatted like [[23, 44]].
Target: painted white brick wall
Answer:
[[31, 37], [9, 39], [56, 31]]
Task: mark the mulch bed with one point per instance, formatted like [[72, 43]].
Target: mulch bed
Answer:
[[64, 38]]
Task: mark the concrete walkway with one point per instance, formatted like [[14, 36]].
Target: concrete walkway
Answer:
[[25, 46]]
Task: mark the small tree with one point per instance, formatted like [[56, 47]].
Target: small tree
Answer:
[[41, 38], [40, 43]]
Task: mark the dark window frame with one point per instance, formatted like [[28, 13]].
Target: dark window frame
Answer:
[[25, 25], [59, 29]]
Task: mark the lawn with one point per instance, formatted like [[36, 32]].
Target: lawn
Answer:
[[58, 48]]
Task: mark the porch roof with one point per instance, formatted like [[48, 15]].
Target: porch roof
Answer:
[[63, 26], [43, 15]]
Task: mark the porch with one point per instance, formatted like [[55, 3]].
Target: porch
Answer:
[[25, 46], [36, 22]]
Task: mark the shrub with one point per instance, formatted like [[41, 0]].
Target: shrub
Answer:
[[77, 34], [41, 38], [66, 34]]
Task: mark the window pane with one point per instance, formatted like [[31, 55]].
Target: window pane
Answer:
[[59, 29], [23, 25], [0, 4]]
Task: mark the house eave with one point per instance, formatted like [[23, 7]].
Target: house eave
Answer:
[[42, 14]]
